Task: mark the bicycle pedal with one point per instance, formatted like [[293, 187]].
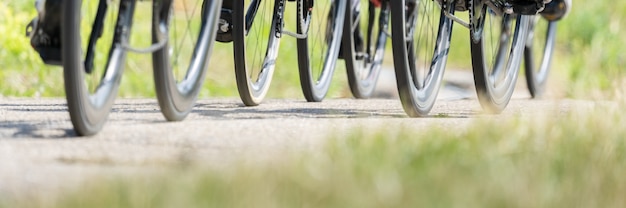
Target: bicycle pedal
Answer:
[[44, 31], [225, 27], [48, 46], [50, 55]]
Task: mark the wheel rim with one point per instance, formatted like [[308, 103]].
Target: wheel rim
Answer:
[[421, 38], [319, 51], [101, 78], [106, 58], [93, 64], [427, 45], [319, 42], [260, 50], [184, 31], [364, 65], [497, 46], [189, 28], [538, 53]]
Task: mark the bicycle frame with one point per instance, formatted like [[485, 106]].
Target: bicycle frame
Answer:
[[251, 13], [382, 18], [98, 24], [499, 7], [95, 35], [127, 6]]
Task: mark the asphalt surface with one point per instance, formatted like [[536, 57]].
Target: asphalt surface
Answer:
[[39, 151]]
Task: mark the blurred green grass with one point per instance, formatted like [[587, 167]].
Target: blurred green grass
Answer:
[[575, 159], [588, 63], [590, 51]]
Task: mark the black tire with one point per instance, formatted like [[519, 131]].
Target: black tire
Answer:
[[318, 53], [538, 54], [420, 60], [363, 67], [255, 50], [497, 45], [180, 66], [90, 95]]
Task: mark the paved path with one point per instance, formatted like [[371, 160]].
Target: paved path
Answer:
[[39, 151]]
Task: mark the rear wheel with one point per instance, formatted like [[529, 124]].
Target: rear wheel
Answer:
[[538, 54], [180, 66], [497, 45], [365, 37], [318, 53], [256, 42], [421, 40], [93, 58]]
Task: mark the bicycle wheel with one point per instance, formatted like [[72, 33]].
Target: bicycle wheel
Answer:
[[256, 31], [538, 54], [421, 40], [366, 33], [189, 27], [318, 52], [497, 45], [93, 58]]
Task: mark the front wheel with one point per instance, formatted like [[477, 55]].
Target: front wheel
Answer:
[[366, 33], [318, 52], [421, 40], [93, 58], [256, 41], [181, 65], [497, 45], [538, 54]]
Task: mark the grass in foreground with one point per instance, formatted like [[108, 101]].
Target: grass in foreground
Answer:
[[573, 160]]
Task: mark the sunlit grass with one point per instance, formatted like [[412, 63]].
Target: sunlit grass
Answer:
[[575, 159]]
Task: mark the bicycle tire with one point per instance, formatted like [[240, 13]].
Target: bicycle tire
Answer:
[[319, 51], [181, 65], [254, 78], [90, 96], [495, 79], [538, 54], [419, 79], [364, 67]]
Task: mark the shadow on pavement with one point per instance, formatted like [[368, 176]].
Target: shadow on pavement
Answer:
[[25, 129]]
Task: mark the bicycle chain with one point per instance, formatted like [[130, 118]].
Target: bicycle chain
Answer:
[[300, 5], [471, 12], [279, 21], [472, 21]]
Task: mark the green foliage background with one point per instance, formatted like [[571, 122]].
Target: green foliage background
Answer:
[[23, 74], [589, 61]]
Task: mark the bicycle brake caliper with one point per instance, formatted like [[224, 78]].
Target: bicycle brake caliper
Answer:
[[44, 31]]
